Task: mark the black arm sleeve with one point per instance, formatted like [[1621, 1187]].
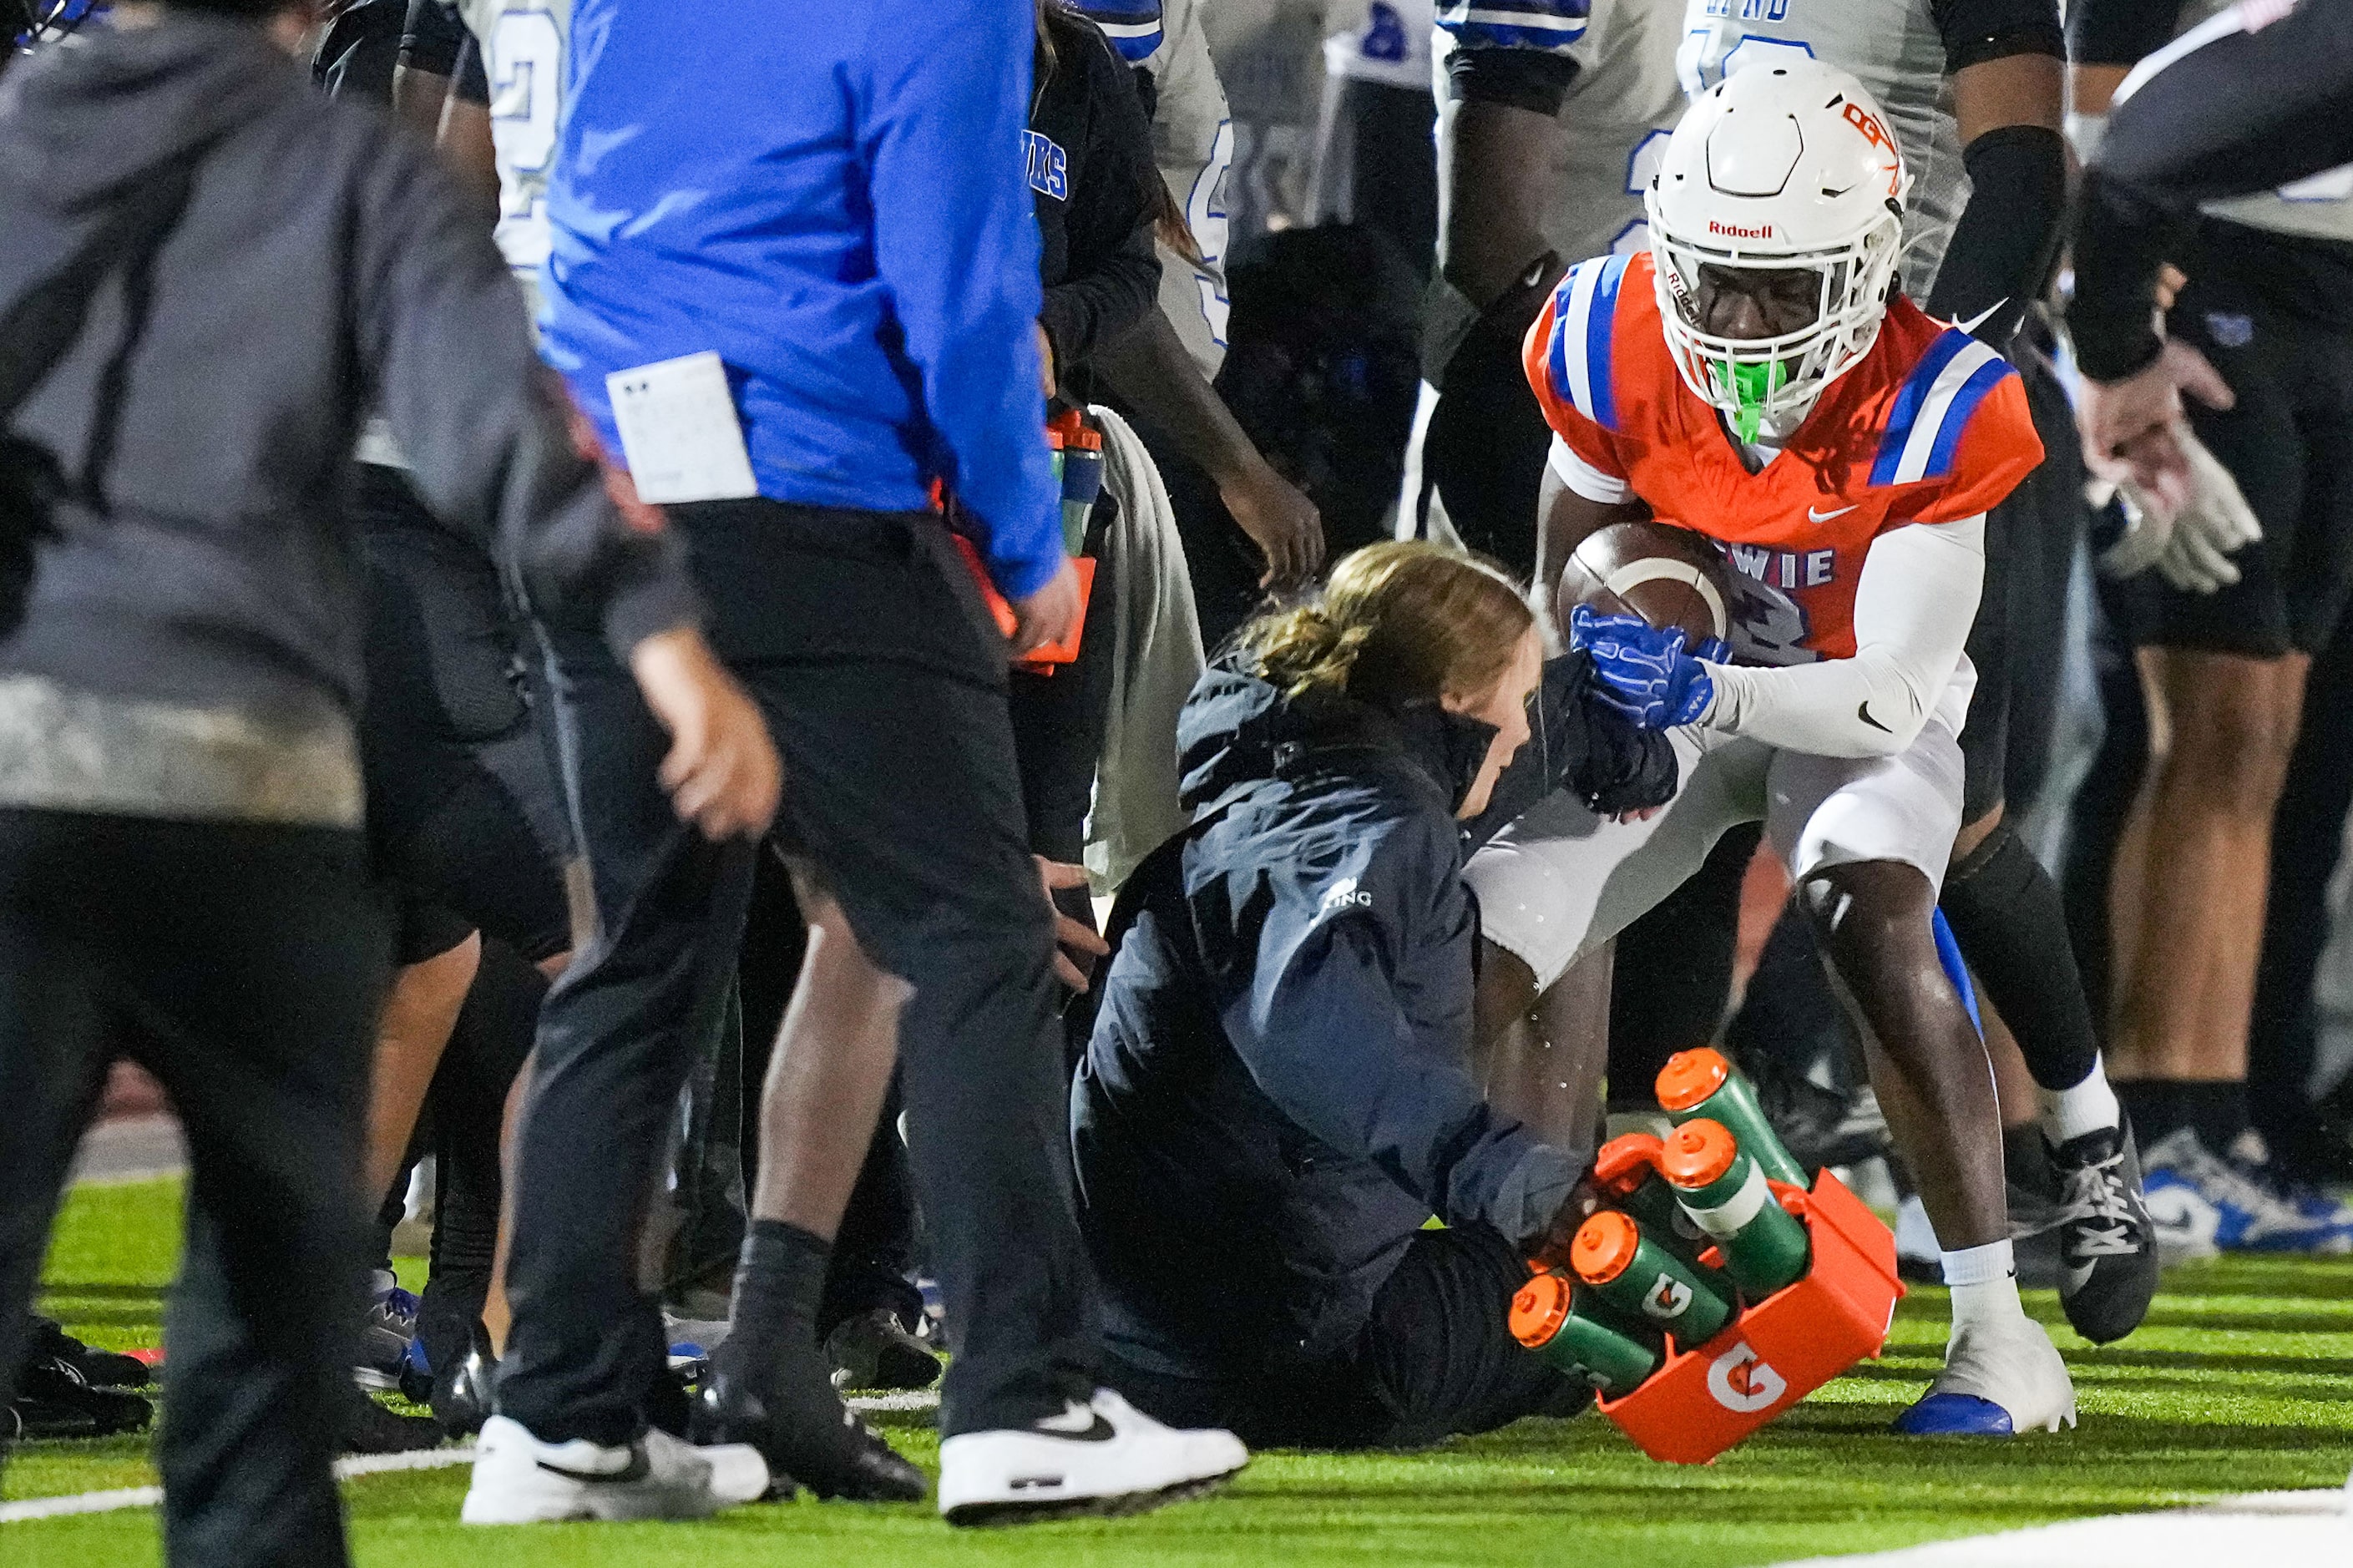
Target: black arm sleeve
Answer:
[[1113, 274], [2001, 250], [1976, 31], [2119, 32], [1516, 78], [471, 85], [2237, 112], [431, 40]]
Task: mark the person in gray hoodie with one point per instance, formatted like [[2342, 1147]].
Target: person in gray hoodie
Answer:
[[207, 273]]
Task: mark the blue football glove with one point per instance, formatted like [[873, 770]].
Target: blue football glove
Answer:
[[1643, 672]]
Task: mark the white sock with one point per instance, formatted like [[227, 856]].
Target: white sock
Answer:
[[1984, 1282], [2088, 1107]]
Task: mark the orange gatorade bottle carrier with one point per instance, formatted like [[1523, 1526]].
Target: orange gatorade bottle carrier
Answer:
[[1705, 1398]]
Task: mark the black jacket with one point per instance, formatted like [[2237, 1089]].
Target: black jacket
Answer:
[[325, 263], [1277, 1094], [1090, 169]]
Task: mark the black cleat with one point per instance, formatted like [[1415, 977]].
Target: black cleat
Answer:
[[96, 1368], [874, 1350], [800, 1425], [53, 1400], [2107, 1243], [462, 1390], [370, 1428]]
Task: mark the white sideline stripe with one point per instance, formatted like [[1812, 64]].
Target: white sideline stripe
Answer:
[[360, 1465], [2259, 1526]]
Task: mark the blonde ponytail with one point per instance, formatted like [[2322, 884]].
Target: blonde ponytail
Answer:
[[1396, 622]]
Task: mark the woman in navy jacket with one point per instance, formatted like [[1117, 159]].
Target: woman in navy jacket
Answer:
[[1278, 1093]]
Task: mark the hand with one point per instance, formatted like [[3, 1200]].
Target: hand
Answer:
[[1548, 1248], [1643, 672], [1073, 938], [1280, 519], [2192, 551], [722, 772], [1045, 359], [2132, 428], [1052, 615]]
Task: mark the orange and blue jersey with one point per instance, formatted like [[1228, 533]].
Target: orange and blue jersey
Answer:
[[1932, 427]]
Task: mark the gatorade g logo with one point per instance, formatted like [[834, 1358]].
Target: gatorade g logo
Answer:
[[1667, 1300], [1741, 1381]]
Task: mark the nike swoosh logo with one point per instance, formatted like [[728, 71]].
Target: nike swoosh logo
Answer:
[[1814, 516], [636, 1470], [1982, 317], [1862, 712], [1096, 1431], [2078, 1276]]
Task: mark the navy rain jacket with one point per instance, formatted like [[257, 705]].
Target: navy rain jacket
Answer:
[[1278, 1093]]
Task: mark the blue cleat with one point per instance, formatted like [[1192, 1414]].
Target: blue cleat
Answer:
[[2002, 1378], [1935, 1414]]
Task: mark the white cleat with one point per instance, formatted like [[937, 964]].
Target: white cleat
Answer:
[[2001, 1379], [518, 1479], [1104, 1457]]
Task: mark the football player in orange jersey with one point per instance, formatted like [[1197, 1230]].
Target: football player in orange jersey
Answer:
[[1755, 376]]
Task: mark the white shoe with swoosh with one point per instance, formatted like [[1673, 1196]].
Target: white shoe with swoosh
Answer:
[[1104, 1457], [518, 1479]]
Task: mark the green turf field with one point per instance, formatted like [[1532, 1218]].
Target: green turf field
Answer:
[[2241, 1381]]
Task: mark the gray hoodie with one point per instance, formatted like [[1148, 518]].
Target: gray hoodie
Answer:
[[198, 612]]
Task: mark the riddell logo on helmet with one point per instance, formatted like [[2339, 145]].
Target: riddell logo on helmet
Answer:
[[1734, 231]]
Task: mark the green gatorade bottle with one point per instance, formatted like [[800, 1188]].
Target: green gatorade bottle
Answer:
[[1546, 1319], [1764, 1245], [1626, 1172], [1701, 1083], [1634, 1274]]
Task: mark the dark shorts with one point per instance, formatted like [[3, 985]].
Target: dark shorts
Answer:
[[1436, 1359], [2018, 639], [2289, 443], [466, 815]]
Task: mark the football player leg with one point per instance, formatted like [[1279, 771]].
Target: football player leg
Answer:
[[2078, 1170], [1867, 841], [1555, 889]]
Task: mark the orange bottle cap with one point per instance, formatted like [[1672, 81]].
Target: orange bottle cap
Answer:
[[1604, 1248], [1539, 1310], [1624, 1161], [1698, 1153], [1691, 1077], [1086, 439]]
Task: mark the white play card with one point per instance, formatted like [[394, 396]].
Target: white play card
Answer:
[[679, 431]]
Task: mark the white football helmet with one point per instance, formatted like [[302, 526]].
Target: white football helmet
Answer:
[[1789, 165]]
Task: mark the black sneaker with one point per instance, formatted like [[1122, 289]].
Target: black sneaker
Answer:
[[874, 1350], [2107, 1243], [790, 1412]]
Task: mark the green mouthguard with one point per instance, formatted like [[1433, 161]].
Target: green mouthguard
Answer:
[[1751, 385]]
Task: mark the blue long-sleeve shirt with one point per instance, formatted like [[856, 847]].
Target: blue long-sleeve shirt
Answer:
[[832, 198]]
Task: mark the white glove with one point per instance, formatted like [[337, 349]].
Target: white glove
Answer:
[[2148, 531], [2193, 552]]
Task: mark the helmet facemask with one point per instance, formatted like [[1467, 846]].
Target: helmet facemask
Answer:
[[1768, 385]]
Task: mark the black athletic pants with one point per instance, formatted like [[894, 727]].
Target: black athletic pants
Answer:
[[1436, 1359], [243, 965], [864, 641]]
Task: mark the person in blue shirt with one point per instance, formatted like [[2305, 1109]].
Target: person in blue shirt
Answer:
[[832, 204]]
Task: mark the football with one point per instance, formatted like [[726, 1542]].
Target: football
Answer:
[[1669, 577]]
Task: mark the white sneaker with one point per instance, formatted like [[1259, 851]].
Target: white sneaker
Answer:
[[518, 1479], [1103, 1456], [2000, 1378]]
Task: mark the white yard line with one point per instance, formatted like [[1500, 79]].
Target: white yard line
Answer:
[[2298, 1527], [361, 1465]]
